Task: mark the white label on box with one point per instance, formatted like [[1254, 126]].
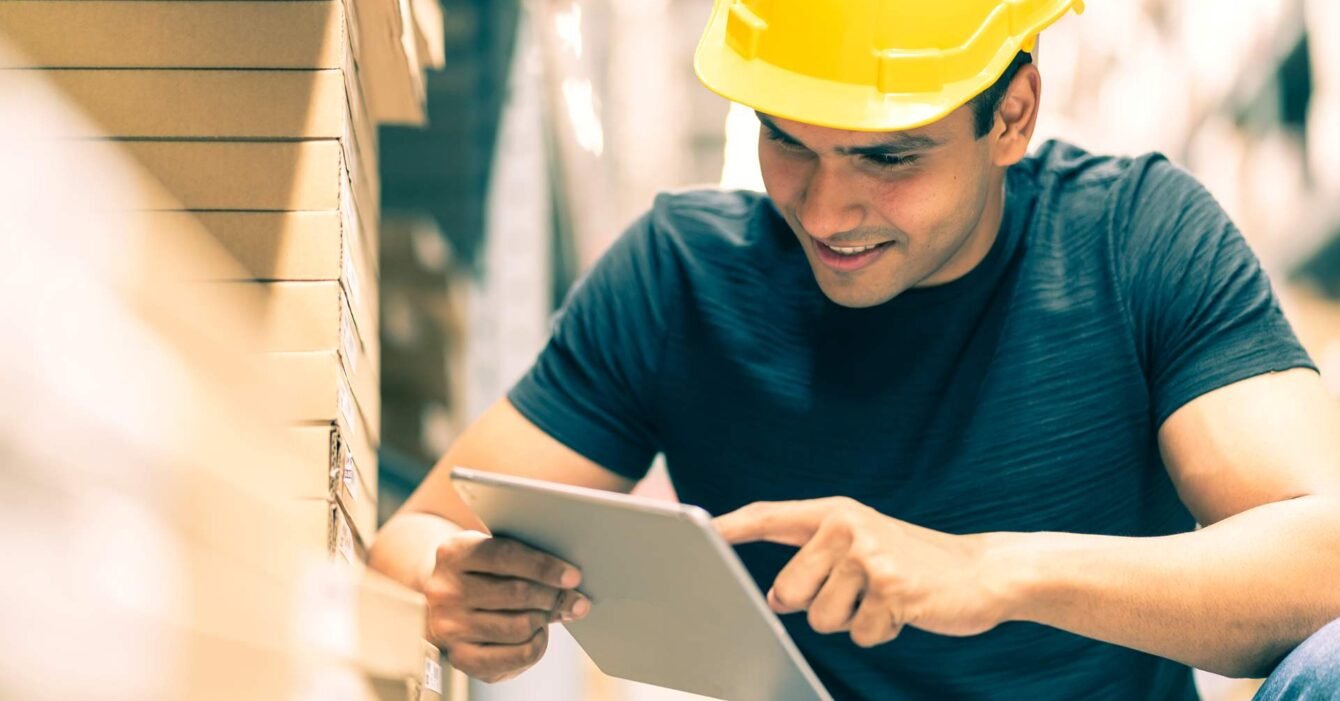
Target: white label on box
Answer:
[[344, 540], [325, 609], [349, 475], [432, 676], [348, 340], [346, 403]]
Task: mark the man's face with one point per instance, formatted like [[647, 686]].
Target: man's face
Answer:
[[919, 197]]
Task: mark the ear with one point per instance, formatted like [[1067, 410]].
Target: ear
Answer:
[[1016, 117]]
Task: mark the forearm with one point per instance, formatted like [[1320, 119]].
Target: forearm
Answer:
[[406, 547], [1231, 598]]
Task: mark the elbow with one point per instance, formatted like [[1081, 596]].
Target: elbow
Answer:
[[1319, 647]]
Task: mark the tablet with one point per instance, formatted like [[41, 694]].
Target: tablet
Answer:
[[672, 605]]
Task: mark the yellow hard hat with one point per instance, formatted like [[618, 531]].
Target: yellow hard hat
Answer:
[[866, 65]]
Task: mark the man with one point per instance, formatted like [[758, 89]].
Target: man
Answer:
[[961, 407]]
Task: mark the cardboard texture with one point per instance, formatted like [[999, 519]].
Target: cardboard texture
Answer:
[[315, 389], [186, 104], [303, 176], [113, 35], [323, 529], [357, 443], [308, 316], [224, 104], [138, 34], [392, 75], [391, 623], [267, 246], [252, 176], [430, 33], [322, 467], [321, 470]]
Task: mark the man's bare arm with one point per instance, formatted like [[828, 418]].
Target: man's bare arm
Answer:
[[501, 440], [1258, 464]]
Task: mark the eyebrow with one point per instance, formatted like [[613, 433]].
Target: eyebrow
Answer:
[[895, 142]]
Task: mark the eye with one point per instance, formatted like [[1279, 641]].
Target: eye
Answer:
[[783, 142], [890, 161]]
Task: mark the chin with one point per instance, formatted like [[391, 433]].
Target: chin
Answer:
[[846, 296]]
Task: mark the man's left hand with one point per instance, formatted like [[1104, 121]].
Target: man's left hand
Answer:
[[863, 572]]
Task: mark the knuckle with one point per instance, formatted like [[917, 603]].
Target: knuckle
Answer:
[[447, 551], [881, 573], [442, 629], [518, 590], [850, 566], [463, 660], [442, 590], [821, 622], [843, 504], [518, 628], [534, 649]]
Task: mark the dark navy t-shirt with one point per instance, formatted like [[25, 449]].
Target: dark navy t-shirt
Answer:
[[1024, 396]]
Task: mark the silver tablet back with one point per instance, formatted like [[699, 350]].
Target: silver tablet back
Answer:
[[672, 604]]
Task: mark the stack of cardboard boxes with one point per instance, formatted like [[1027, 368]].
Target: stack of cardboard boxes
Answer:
[[255, 122]]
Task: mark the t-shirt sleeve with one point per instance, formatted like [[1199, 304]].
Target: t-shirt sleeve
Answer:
[[1202, 308], [591, 387]]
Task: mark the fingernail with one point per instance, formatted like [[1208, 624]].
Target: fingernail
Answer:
[[579, 610], [570, 578]]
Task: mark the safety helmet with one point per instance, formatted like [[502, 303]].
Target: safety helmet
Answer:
[[865, 65]]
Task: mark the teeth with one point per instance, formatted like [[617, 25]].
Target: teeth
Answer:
[[850, 251]]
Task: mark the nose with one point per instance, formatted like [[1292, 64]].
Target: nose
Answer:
[[828, 206]]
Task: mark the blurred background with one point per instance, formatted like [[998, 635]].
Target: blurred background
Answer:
[[536, 130]]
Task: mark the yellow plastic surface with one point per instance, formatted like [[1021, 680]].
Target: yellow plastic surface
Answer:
[[865, 65]]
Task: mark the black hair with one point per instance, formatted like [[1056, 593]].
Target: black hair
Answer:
[[985, 104]]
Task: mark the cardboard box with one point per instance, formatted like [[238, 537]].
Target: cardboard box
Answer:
[[324, 467], [430, 33], [323, 529], [314, 388], [276, 175], [428, 686], [388, 62], [189, 104], [391, 623], [271, 246], [137, 34], [308, 316], [122, 34], [356, 443], [252, 176], [225, 104]]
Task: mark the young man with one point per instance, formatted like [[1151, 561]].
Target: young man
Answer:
[[987, 395]]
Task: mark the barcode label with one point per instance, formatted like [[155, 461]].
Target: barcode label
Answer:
[[432, 676], [350, 476]]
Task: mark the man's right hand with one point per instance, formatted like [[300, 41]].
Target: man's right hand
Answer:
[[491, 600]]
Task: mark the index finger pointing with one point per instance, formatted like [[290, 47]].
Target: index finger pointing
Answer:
[[512, 558], [784, 522]]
